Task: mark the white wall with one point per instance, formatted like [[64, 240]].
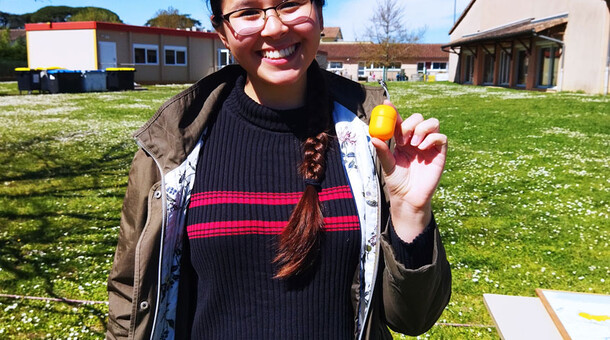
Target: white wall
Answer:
[[70, 49], [586, 41]]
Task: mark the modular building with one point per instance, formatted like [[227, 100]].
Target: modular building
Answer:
[[159, 55], [560, 45]]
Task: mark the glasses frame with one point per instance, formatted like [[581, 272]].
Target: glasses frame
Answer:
[[225, 17]]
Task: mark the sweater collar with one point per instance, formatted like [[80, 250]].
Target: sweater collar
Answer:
[[293, 120]]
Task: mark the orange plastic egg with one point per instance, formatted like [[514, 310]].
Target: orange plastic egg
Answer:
[[383, 121]]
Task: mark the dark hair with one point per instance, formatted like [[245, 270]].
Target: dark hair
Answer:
[[216, 9], [299, 241]]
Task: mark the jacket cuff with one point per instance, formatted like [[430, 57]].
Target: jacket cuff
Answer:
[[416, 253]]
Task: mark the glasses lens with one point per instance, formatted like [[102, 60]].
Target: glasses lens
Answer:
[[251, 21], [294, 12], [247, 21]]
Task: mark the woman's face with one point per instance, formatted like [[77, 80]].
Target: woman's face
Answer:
[[279, 54]]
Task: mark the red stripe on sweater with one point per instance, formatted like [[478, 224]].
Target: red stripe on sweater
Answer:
[[229, 228], [263, 198], [265, 194]]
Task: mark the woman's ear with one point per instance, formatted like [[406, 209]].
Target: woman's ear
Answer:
[[220, 30]]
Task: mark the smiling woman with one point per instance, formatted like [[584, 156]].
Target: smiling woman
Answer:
[[275, 45], [256, 207]]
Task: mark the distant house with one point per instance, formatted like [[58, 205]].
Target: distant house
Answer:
[[332, 34], [159, 55], [346, 58], [535, 45], [16, 33]]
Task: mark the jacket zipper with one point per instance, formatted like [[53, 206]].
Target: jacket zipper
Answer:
[[163, 223], [375, 269]]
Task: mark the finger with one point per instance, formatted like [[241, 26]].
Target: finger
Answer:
[[424, 128], [389, 103], [405, 130], [388, 162], [437, 140]]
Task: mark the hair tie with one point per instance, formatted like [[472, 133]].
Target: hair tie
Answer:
[[313, 182]]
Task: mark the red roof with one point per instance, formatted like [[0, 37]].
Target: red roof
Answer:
[[332, 33], [350, 51], [80, 25], [341, 50]]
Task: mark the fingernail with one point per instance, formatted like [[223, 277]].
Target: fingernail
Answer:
[[415, 140]]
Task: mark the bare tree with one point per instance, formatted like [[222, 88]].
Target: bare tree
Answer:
[[389, 35]]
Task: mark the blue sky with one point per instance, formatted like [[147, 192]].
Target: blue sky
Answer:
[[351, 15]]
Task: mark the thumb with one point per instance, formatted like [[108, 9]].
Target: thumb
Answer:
[[388, 162]]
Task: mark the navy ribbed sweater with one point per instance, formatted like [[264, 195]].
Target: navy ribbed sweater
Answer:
[[245, 189], [246, 186]]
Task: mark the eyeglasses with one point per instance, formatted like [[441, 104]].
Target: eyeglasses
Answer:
[[248, 21]]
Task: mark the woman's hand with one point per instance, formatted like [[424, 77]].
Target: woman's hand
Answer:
[[412, 172]]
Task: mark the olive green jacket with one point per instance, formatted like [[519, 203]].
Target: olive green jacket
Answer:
[[150, 285]]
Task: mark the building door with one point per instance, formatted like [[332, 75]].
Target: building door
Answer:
[[522, 67], [107, 54], [548, 65], [468, 68], [504, 68], [488, 68]]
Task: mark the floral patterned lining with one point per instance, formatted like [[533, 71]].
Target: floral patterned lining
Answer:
[[179, 184], [354, 140]]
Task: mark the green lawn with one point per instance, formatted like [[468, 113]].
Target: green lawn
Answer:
[[524, 201]]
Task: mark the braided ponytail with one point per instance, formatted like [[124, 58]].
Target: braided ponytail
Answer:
[[298, 244]]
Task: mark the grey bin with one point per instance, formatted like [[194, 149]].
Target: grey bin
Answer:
[[120, 79], [28, 79], [93, 81]]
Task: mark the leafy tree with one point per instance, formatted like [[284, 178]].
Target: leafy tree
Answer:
[[58, 14], [52, 14], [95, 14], [12, 50], [389, 35], [8, 20], [171, 18]]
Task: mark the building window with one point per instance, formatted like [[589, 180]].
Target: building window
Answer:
[[522, 66], [548, 66], [468, 68], [488, 68], [504, 73], [175, 55], [439, 66], [335, 65], [421, 67], [224, 57], [145, 54], [361, 68]]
